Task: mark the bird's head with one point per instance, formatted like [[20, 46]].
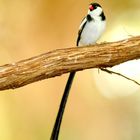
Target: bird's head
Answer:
[[95, 10]]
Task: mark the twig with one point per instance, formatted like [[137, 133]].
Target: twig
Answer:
[[119, 74], [58, 62]]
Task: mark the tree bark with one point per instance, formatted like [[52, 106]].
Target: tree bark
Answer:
[[60, 61]]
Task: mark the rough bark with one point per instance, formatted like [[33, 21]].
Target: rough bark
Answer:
[[60, 61]]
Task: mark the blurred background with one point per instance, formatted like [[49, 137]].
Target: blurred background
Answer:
[[100, 106]]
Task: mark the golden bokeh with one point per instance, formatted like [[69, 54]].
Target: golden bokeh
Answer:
[[100, 106]]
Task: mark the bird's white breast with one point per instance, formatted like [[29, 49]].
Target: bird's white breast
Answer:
[[92, 32]]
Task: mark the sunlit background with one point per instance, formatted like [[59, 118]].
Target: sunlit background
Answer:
[[100, 106]]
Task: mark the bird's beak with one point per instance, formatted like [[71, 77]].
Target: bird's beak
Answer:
[[91, 8]]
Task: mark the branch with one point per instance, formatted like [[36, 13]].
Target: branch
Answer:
[[58, 62], [119, 74]]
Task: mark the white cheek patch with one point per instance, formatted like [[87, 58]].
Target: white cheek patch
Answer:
[[95, 12]]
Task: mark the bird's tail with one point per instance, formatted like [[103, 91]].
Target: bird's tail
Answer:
[[55, 132]]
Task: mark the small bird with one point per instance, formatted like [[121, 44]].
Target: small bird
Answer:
[[92, 26], [90, 30]]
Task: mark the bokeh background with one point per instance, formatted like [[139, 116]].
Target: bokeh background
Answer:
[[100, 106]]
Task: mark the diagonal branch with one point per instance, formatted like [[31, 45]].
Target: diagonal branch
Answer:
[[58, 62], [119, 74]]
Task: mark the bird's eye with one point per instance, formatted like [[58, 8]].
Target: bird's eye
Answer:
[[91, 8]]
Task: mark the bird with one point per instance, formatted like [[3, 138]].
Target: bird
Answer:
[[90, 30]]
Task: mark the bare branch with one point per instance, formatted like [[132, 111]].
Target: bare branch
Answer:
[[119, 74], [58, 62]]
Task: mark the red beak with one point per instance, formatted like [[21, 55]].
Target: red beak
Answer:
[[91, 8]]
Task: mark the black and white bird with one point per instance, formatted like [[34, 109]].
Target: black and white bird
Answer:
[[90, 30]]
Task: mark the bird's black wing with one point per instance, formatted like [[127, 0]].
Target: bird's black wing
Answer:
[[83, 23]]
